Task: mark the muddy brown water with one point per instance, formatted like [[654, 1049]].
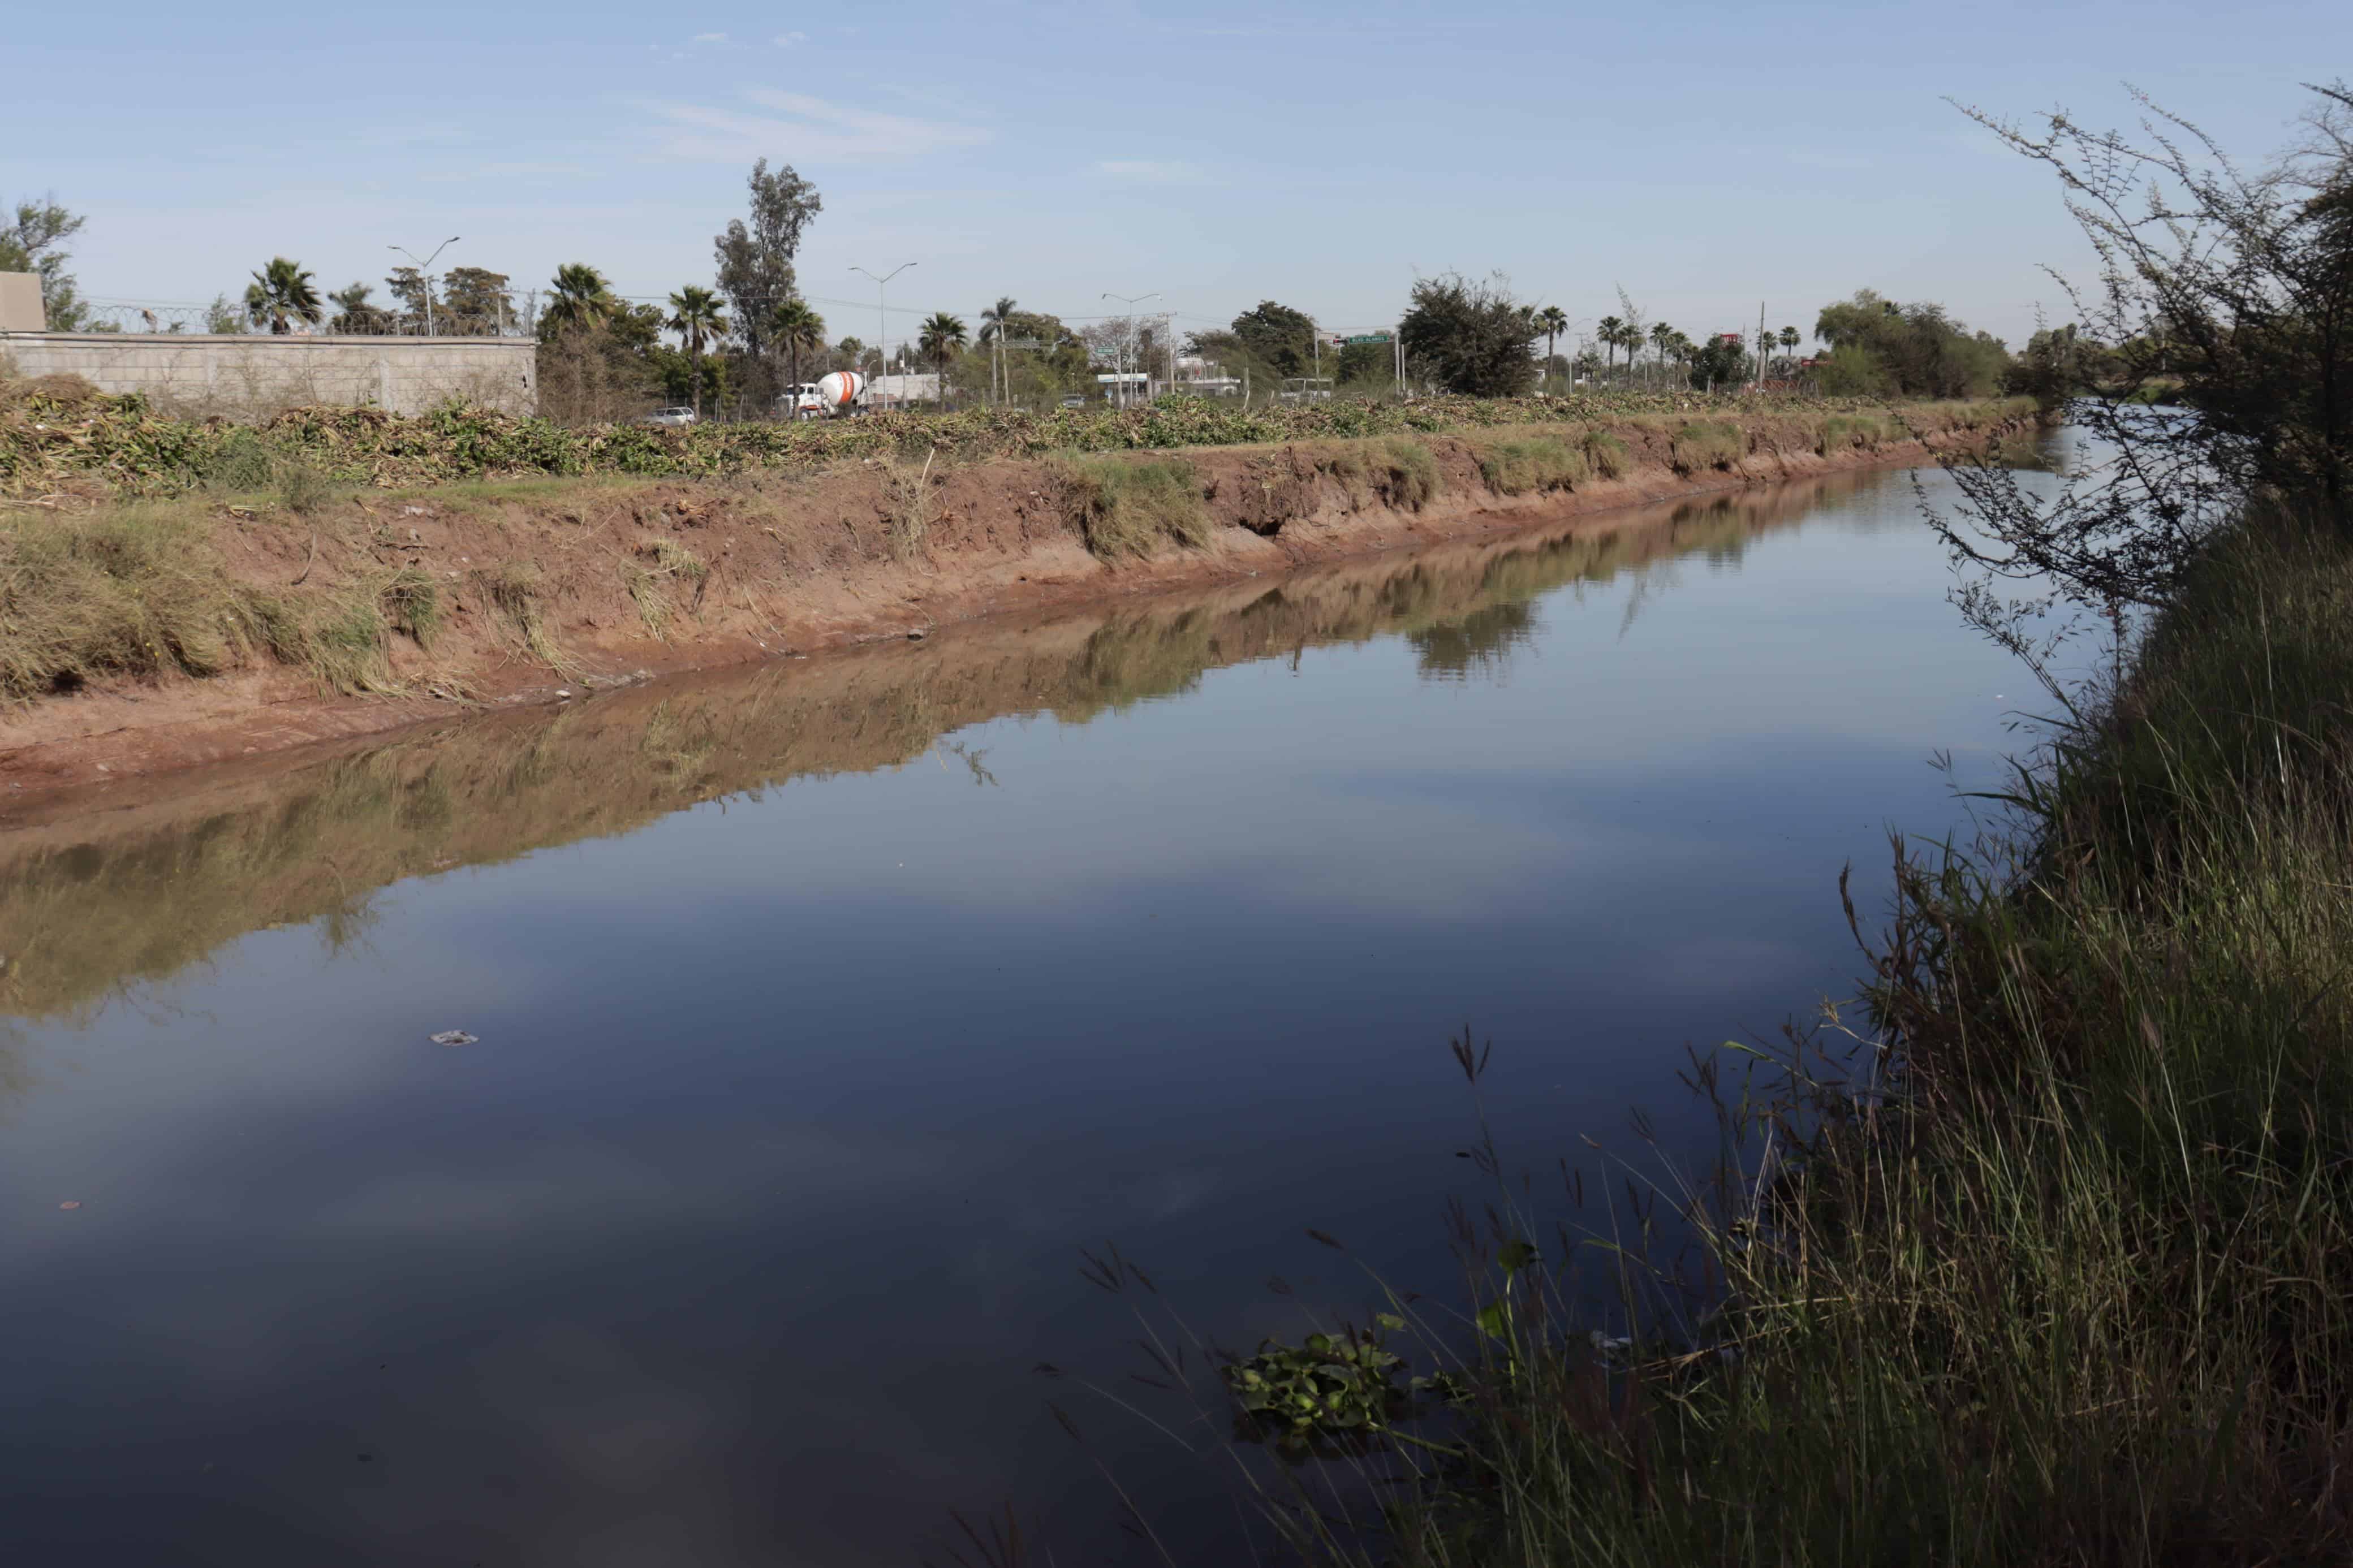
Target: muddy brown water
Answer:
[[821, 1014]]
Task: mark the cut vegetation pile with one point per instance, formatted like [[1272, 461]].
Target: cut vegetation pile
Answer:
[[57, 440]]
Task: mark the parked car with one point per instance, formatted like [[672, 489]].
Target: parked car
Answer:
[[672, 416], [1074, 401]]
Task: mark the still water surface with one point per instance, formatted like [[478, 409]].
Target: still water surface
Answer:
[[825, 1011]]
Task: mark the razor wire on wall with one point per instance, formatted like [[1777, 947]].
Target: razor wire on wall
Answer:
[[185, 318]]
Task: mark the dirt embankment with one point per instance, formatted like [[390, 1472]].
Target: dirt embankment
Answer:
[[402, 608]]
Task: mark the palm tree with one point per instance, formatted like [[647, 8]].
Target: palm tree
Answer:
[[1789, 340], [995, 322], [1662, 338], [581, 298], [698, 315], [355, 312], [1612, 331], [940, 339], [796, 328], [281, 294], [1551, 321]]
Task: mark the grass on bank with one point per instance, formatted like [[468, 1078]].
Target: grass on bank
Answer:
[[1131, 508], [141, 592], [2074, 1282]]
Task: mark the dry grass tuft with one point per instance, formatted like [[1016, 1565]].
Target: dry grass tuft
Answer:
[[913, 503], [1540, 463], [515, 590], [1703, 444], [1406, 473], [651, 585], [129, 592], [1131, 508]]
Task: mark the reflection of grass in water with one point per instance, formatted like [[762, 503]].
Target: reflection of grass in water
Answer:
[[1480, 643], [80, 921]]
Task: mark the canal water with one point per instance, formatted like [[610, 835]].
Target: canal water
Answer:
[[816, 1018]]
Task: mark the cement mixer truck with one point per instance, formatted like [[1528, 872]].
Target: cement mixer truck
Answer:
[[842, 392]]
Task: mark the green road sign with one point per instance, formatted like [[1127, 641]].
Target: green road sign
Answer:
[[1370, 338]]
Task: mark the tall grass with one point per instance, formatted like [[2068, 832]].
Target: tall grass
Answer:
[[2054, 1266], [1539, 463], [1702, 444], [132, 592], [1132, 509]]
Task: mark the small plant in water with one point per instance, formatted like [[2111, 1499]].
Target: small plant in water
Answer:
[[1332, 1391]]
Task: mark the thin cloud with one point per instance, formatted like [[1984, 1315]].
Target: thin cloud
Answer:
[[509, 171], [1152, 171], [786, 40], [800, 126], [708, 38]]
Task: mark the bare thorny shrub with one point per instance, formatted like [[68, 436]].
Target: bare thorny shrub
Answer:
[[2240, 284]]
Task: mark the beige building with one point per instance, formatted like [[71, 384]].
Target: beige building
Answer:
[[21, 310]]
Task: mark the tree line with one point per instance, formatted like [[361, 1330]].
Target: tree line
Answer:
[[740, 341]]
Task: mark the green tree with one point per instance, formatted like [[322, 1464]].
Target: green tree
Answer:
[[1914, 350], [1611, 331], [476, 301], [33, 241], [1551, 321], [415, 292], [1722, 360], [1789, 340], [281, 294], [1282, 339], [355, 312], [941, 337], [579, 297], [1471, 338], [698, 315], [1664, 338], [994, 321], [755, 261], [795, 329]]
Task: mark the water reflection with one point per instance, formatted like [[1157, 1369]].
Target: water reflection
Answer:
[[140, 882]]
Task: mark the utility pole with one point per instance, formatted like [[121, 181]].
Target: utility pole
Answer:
[[881, 317], [425, 279], [1760, 345], [1131, 303]]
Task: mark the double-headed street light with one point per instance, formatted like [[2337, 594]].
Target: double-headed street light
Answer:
[[425, 278], [1132, 301], [881, 320]]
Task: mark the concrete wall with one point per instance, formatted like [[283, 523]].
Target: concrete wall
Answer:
[[253, 377]]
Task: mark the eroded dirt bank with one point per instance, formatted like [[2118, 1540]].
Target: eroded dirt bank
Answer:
[[542, 588]]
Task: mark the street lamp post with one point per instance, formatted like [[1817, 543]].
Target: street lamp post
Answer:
[[881, 318], [425, 278], [1131, 302]]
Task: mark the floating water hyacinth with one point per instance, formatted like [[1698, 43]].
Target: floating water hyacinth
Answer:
[[454, 1037]]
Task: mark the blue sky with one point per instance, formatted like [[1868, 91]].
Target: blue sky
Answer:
[[1706, 157]]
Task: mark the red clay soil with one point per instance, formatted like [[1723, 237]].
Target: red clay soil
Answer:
[[793, 565]]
